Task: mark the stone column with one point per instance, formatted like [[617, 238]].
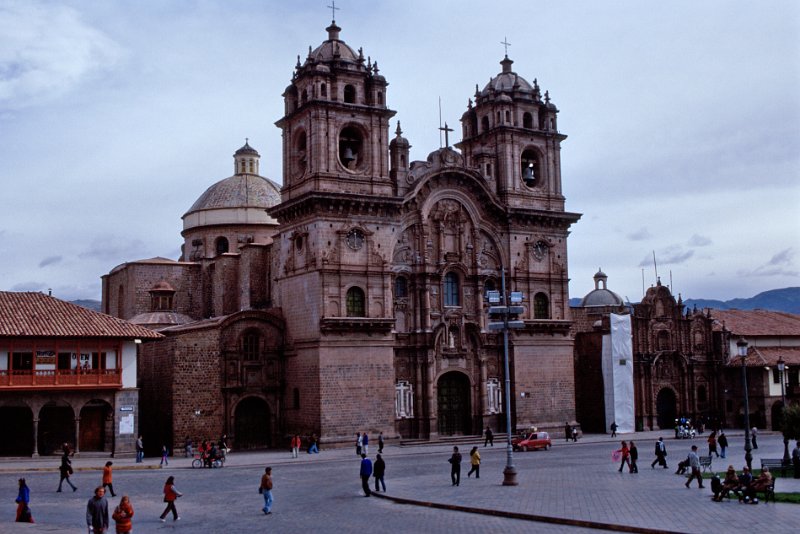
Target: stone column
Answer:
[[77, 435], [35, 438]]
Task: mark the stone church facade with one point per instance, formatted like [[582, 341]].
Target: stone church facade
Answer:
[[352, 297]]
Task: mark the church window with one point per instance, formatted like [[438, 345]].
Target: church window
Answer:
[[530, 168], [489, 170], [355, 302], [323, 90], [221, 245], [305, 96], [552, 124], [400, 287], [527, 120], [541, 306], [541, 121], [489, 285], [404, 399], [349, 94], [493, 396], [380, 98], [663, 340], [508, 117], [251, 346], [250, 165], [485, 124], [498, 118], [452, 292]]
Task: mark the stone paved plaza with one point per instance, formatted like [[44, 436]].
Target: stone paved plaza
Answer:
[[321, 493]]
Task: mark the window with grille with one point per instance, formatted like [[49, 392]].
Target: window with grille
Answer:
[[452, 293], [250, 346], [355, 302]]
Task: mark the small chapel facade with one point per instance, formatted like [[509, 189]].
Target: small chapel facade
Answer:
[[352, 297]]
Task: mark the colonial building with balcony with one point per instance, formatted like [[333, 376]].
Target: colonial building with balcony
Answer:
[[67, 375]]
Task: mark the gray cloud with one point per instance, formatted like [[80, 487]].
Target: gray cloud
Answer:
[[671, 255], [113, 247], [30, 286], [780, 264], [50, 260], [45, 51], [639, 235], [699, 241], [784, 257]]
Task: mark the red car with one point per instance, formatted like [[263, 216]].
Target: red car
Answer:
[[531, 441]]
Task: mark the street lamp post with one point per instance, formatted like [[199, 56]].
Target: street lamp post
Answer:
[[741, 346], [782, 369], [505, 314]]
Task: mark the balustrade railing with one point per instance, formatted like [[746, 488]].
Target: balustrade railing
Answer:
[[60, 377]]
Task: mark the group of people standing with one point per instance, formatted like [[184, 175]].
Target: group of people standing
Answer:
[[376, 470]]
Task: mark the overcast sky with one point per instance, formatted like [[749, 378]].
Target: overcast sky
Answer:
[[683, 121]]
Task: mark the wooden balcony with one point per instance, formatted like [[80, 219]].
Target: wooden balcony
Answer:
[[60, 379]]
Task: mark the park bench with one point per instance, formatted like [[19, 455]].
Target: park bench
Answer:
[[774, 464], [705, 463]]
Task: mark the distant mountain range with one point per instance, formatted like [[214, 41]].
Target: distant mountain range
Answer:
[[781, 300]]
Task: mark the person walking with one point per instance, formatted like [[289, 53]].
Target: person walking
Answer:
[[614, 428], [378, 471], [489, 437], [108, 478], [712, 444], [455, 467], [661, 454], [365, 443], [23, 503], [634, 452], [171, 494], [754, 434], [694, 464], [359, 443], [475, 461], [97, 511], [575, 434], [164, 456], [123, 516], [625, 457], [567, 431], [380, 443], [723, 444], [187, 447], [265, 489], [366, 472], [66, 470], [295, 445], [139, 450]]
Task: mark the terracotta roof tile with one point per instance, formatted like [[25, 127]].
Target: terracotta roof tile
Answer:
[[757, 322], [767, 356], [40, 315]]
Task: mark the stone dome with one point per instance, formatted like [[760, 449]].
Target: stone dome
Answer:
[[332, 49], [239, 191], [507, 81], [601, 296]]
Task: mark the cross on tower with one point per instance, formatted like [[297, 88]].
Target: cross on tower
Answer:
[[506, 44], [445, 129], [333, 9]]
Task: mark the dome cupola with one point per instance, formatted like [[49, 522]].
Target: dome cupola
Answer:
[[601, 295]]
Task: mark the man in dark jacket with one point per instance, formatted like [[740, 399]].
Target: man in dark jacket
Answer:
[[455, 467], [661, 454], [378, 472], [366, 472], [97, 511]]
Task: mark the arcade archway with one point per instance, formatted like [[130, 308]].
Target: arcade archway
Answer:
[[17, 425], [252, 424], [453, 400], [56, 427]]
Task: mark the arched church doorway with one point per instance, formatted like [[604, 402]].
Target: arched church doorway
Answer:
[[17, 425], [453, 404], [93, 429], [777, 416], [665, 409], [56, 427], [252, 424]]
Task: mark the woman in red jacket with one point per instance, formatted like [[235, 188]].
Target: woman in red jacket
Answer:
[[626, 457], [170, 494], [123, 514]]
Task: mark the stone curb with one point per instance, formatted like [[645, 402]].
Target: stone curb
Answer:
[[527, 517]]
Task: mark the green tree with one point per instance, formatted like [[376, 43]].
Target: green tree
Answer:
[[791, 421]]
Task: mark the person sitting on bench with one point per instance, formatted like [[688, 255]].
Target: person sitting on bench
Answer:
[[730, 483], [763, 481]]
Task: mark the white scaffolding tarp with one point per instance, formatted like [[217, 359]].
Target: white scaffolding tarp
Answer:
[[618, 374]]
